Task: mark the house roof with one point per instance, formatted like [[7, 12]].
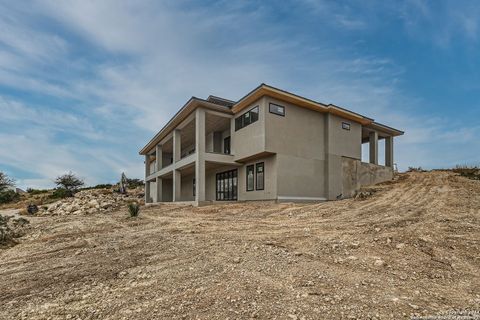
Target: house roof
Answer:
[[230, 106]]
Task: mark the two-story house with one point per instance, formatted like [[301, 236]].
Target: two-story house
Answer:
[[269, 145]]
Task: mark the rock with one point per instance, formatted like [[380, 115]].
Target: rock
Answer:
[[236, 260], [400, 246], [379, 263]]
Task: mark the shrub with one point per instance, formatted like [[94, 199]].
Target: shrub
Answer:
[[61, 193], [8, 196], [133, 209], [36, 191], [69, 182], [134, 183]]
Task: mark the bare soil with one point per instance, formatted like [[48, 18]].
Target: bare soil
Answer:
[[412, 247]]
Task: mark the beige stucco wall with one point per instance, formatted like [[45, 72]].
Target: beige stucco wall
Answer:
[[186, 193], [270, 182], [250, 140], [300, 133], [300, 178], [356, 174]]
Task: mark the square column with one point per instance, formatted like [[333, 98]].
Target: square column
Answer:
[[159, 156], [200, 155], [177, 145], [147, 173], [389, 152], [373, 138], [147, 166], [177, 185], [147, 192], [159, 195]]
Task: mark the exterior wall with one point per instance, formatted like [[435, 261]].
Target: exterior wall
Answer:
[[210, 181], [300, 178], [250, 140], [186, 193], [356, 174], [300, 133], [339, 143], [167, 190], [270, 182]]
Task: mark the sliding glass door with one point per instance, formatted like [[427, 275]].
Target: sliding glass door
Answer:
[[226, 188]]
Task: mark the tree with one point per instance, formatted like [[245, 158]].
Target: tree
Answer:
[[69, 182], [5, 182]]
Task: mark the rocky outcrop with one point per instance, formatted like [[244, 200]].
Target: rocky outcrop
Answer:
[[92, 201], [10, 229]]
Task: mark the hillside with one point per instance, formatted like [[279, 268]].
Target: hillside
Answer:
[[411, 247]]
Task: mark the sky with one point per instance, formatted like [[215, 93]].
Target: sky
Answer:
[[85, 84]]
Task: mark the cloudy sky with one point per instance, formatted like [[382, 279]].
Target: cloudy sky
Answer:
[[85, 84]]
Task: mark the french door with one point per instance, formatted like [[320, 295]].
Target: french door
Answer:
[[226, 188]]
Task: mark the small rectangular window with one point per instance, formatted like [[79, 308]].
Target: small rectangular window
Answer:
[[260, 176], [346, 126], [250, 177], [276, 109]]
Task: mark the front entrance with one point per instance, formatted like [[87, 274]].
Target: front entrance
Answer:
[[226, 186]]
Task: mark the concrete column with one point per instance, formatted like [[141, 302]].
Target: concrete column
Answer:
[[147, 192], [389, 152], [177, 145], [200, 155], [232, 135], [177, 185], [373, 138], [159, 156], [159, 194], [147, 166]]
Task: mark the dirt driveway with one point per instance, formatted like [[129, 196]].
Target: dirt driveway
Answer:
[[411, 248]]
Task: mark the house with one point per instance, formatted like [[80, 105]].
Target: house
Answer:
[[269, 145]]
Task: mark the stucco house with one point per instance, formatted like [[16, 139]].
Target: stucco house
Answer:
[[269, 145]]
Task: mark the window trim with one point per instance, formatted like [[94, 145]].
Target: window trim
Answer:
[[252, 166], [250, 118], [276, 113], [258, 164]]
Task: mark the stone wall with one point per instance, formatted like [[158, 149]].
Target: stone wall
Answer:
[[356, 174]]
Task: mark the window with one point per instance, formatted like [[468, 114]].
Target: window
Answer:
[[226, 145], [226, 188], [276, 109], [346, 126], [260, 177], [250, 177], [247, 118]]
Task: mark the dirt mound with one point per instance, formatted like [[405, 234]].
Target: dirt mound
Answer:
[[409, 249], [11, 228], [92, 201]]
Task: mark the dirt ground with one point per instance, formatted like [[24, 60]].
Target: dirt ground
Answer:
[[413, 247]]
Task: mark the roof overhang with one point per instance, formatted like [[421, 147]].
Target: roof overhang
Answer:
[[385, 129], [266, 90], [181, 115]]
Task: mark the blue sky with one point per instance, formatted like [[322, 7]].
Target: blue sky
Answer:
[[85, 84]]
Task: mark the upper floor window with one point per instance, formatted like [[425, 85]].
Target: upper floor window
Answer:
[[276, 109], [247, 118], [346, 126]]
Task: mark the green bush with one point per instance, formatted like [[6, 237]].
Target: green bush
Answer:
[[36, 191], [61, 193], [8, 196], [133, 209]]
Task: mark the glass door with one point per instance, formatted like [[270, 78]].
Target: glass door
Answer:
[[226, 185]]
